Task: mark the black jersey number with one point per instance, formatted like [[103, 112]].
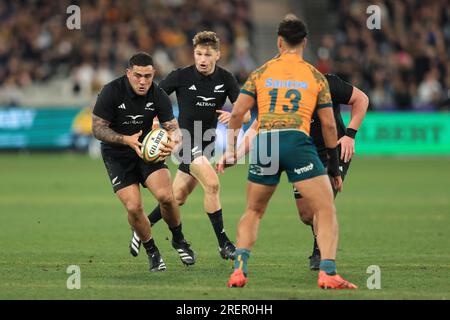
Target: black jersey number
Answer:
[[293, 95]]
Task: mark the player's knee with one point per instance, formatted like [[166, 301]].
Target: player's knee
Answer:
[[134, 209], [165, 198], [255, 213], [180, 198], [255, 210], [212, 187], [180, 202]]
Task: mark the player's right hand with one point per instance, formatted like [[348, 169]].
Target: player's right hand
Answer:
[[133, 142]]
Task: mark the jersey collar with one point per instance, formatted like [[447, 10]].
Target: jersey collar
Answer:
[[290, 56]]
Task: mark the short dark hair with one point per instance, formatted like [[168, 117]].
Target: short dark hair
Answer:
[[293, 30], [140, 59], [206, 38]]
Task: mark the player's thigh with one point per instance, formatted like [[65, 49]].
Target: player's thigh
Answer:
[[160, 185], [258, 196], [264, 165], [203, 171], [304, 169], [130, 197], [183, 185], [316, 191], [299, 158]]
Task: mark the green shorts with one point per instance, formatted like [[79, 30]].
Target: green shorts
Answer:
[[283, 150]]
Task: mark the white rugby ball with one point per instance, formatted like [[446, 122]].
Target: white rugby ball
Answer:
[[152, 143]]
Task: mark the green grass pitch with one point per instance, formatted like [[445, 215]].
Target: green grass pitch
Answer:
[[58, 210]]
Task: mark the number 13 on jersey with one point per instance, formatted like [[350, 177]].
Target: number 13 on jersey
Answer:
[[293, 95]]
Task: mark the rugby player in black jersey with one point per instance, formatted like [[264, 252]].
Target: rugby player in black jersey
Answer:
[[341, 93], [201, 90], [122, 117]]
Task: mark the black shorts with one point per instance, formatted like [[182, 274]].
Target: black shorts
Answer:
[[125, 168], [196, 149], [343, 168]]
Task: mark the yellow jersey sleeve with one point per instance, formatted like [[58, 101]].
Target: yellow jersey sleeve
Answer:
[[324, 95], [249, 86]]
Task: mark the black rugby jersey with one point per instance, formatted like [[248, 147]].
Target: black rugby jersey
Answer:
[[341, 93], [199, 96], [129, 112]]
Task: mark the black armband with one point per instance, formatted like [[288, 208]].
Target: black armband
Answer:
[[351, 133], [333, 162]]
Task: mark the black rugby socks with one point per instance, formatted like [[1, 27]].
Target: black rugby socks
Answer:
[[217, 223], [155, 215], [150, 246]]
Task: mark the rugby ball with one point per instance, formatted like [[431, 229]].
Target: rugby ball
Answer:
[[152, 143]]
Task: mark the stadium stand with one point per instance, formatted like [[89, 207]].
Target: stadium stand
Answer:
[[404, 65], [40, 57]]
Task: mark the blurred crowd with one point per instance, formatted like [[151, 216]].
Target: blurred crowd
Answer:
[[405, 64], [36, 46]]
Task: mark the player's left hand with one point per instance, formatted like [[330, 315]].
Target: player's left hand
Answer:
[[228, 159], [347, 148], [166, 148], [337, 183], [224, 117], [175, 140]]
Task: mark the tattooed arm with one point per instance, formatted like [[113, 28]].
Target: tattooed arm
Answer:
[[102, 131]]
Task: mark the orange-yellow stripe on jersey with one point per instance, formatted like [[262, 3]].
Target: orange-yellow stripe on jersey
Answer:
[[287, 90]]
